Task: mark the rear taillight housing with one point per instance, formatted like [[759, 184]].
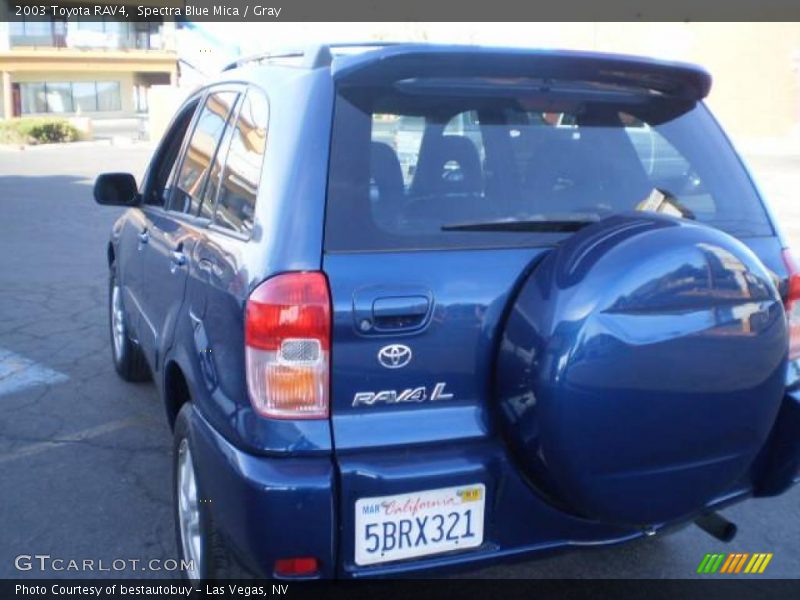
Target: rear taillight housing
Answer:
[[793, 304], [287, 346], [294, 567]]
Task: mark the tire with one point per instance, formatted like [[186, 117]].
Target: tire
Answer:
[[212, 558], [126, 354]]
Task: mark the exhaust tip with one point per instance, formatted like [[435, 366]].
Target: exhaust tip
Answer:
[[715, 525]]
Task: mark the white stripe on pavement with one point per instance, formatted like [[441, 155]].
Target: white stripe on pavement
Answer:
[[18, 373]]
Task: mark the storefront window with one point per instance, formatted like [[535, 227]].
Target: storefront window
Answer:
[[33, 98], [59, 97], [108, 95], [69, 97], [84, 95]]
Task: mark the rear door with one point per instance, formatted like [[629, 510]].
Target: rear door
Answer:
[[173, 229], [415, 318], [414, 327]]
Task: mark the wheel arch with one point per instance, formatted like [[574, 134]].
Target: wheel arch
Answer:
[[176, 391]]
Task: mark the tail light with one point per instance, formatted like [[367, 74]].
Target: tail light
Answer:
[[287, 346], [293, 567], [793, 304]]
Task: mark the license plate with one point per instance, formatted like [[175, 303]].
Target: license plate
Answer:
[[417, 524]]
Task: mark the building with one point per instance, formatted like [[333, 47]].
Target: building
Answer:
[[101, 69]]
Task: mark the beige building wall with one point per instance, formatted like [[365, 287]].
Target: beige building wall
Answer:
[[164, 103], [756, 90]]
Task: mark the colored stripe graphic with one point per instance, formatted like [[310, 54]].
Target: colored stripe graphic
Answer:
[[766, 562], [741, 563], [703, 563], [734, 562], [715, 567], [711, 563], [727, 567], [759, 563], [752, 562]]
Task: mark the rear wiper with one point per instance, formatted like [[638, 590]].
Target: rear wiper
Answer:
[[567, 226]]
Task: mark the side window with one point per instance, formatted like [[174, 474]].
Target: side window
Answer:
[[163, 169], [238, 185], [207, 204], [189, 185]]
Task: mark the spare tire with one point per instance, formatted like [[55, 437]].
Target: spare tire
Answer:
[[641, 368]]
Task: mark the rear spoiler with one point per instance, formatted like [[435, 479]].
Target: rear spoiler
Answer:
[[393, 63]]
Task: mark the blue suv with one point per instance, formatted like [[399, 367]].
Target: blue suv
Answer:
[[415, 307]]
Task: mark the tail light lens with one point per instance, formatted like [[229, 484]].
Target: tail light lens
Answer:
[[289, 567], [287, 346], [793, 304]]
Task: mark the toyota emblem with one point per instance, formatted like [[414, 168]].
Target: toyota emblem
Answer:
[[394, 356]]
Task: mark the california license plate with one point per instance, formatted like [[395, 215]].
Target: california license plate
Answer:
[[417, 524]]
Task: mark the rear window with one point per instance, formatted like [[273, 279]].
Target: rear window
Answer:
[[477, 163]]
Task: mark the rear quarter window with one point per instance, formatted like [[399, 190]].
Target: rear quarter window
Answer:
[[241, 176], [408, 166]]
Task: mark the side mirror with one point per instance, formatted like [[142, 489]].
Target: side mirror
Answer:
[[116, 189]]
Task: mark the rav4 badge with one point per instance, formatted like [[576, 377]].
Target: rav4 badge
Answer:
[[416, 394]]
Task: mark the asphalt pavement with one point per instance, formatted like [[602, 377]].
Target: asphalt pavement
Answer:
[[85, 457]]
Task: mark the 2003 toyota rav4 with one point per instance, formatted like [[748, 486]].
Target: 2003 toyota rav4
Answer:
[[413, 307]]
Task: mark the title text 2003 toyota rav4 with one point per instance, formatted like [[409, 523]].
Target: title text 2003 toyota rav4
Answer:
[[415, 307]]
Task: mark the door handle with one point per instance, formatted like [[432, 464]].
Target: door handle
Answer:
[[384, 309], [399, 312], [144, 237], [178, 258]]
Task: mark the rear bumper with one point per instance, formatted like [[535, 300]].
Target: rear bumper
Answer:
[[517, 522], [268, 508], [276, 507]]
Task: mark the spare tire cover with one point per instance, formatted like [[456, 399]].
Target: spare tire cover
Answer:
[[641, 368]]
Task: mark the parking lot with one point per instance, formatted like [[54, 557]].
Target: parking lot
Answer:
[[85, 457]]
